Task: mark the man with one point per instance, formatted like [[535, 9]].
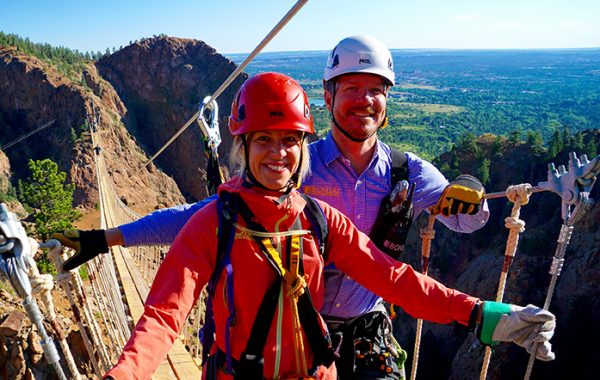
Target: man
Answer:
[[351, 170]]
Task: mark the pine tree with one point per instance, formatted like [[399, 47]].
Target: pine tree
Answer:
[[556, 145], [483, 172], [47, 198]]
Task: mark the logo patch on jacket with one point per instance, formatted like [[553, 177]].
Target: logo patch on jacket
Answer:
[[322, 190]]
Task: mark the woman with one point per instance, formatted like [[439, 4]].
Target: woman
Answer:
[[265, 299]]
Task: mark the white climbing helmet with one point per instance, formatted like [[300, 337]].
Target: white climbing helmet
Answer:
[[360, 54]]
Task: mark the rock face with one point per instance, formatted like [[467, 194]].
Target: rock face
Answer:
[[162, 81]]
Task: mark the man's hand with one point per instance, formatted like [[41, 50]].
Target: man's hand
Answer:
[[87, 245], [464, 195]]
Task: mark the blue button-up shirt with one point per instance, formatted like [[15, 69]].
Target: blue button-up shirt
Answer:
[[359, 196]]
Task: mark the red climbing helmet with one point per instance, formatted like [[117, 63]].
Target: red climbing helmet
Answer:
[[270, 101]]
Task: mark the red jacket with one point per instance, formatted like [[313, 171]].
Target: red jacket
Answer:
[[191, 260]]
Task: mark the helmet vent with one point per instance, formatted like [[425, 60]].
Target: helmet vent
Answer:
[[241, 112]]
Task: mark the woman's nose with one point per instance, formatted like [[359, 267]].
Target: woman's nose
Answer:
[[279, 148]]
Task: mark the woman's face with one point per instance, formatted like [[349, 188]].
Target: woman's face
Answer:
[[273, 156]]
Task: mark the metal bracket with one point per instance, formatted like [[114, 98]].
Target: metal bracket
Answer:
[[571, 185]]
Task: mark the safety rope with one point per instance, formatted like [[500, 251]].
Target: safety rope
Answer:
[[519, 196], [295, 286], [427, 235]]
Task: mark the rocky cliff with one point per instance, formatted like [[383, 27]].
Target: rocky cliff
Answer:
[[143, 94], [162, 81]]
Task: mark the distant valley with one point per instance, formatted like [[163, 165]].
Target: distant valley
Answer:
[[442, 94]]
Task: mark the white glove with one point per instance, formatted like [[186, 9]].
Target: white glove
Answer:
[[530, 327]]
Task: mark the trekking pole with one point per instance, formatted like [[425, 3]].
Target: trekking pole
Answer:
[[14, 264], [519, 196], [276, 29], [427, 235], [574, 187]]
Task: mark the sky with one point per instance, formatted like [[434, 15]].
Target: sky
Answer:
[[237, 26]]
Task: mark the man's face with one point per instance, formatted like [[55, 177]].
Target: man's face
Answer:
[[359, 106]]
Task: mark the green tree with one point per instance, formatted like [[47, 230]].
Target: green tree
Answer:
[[514, 136], [483, 172], [47, 198], [556, 144]]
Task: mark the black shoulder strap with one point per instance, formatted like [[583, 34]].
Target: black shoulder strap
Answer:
[[315, 215], [399, 166], [227, 215]]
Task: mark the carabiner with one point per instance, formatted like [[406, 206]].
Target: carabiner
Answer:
[[208, 120]]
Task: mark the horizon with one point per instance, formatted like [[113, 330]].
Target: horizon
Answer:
[[319, 25], [506, 49]]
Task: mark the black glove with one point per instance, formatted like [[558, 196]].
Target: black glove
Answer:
[[87, 245], [464, 195]]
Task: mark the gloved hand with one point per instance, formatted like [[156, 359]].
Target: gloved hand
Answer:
[[464, 195], [530, 327], [87, 245]]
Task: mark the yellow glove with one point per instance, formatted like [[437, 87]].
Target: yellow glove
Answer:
[[87, 245], [464, 195]]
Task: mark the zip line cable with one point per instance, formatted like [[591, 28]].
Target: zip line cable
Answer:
[[288, 16], [4, 147]]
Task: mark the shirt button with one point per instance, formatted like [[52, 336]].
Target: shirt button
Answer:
[[358, 216], [337, 305], [348, 278]]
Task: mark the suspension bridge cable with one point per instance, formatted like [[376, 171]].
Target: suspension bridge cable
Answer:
[[26, 135]]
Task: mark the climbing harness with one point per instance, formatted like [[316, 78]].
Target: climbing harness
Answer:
[[427, 235], [304, 315], [208, 120], [276, 29], [16, 262]]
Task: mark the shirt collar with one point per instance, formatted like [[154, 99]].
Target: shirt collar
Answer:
[[331, 152]]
